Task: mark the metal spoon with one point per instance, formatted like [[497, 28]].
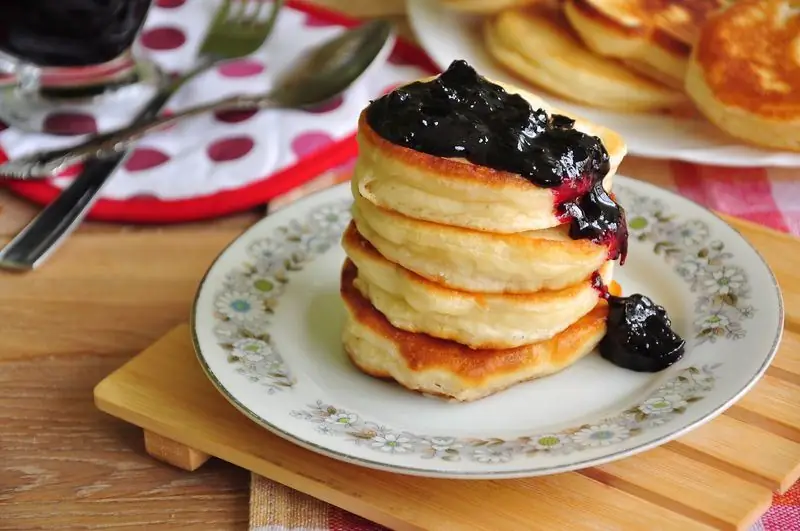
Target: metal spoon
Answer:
[[319, 76]]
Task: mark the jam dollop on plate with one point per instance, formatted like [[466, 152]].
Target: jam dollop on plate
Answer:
[[461, 114], [639, 336]]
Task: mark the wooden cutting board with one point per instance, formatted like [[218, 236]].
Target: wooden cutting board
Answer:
[[719, 476]]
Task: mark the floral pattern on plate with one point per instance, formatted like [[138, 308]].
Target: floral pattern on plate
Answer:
[[723, 289], [250, 293], [669, 400]]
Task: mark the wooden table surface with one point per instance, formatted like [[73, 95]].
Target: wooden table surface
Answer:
[[108, 293]]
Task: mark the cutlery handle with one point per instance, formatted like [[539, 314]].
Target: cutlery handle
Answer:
[[118, 141], [46, 163], [43, 164], [58, 219], [61, 217]]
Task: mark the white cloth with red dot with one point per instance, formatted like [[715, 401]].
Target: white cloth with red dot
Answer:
[[224, 151]]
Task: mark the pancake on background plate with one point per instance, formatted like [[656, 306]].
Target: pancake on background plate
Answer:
[[744, 73], [538, 45], [485, 6], [652, 37]]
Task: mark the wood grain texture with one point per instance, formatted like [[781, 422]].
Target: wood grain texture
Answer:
[[66, 465], [772, 405], [101, 297], [737, 447], [174, 453], [787, 362], [688, 486]]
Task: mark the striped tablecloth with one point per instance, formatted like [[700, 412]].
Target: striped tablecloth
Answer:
[[770, 197]]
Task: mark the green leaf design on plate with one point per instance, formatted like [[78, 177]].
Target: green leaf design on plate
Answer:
[[702, 262], [252, 291]]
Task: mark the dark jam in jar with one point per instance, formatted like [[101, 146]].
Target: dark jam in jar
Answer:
[[63, 33], [639, 336], [461, 114]]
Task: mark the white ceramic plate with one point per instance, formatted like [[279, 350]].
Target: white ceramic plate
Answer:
[[447, 35], [268, 317]]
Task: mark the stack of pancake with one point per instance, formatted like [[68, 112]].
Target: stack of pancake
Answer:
[[734, 62], [461, 280], [625, 55]]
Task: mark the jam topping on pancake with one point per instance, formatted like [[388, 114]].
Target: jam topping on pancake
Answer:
[[460, 114]]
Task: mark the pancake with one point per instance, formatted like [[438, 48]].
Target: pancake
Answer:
[[471, 260], [445, 368], [653, 37], [485, 6], [457, 192], [538, 45], [744, 73], [477, 320]]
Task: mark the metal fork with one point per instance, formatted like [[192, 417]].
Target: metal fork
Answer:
[[237, 30]]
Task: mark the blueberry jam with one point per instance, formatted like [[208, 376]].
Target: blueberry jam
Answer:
[[638, 335], [596, 216], [461, 114]]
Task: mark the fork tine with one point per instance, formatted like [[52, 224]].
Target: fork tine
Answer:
[[243, 13], [251, 14], [255, 17], [238, 10], [223, 12], [273, 16]]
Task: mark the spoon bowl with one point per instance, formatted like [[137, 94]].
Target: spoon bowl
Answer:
[[327, 71]]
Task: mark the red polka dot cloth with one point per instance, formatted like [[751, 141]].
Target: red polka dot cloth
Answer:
[[219, 163], [771, 198]]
